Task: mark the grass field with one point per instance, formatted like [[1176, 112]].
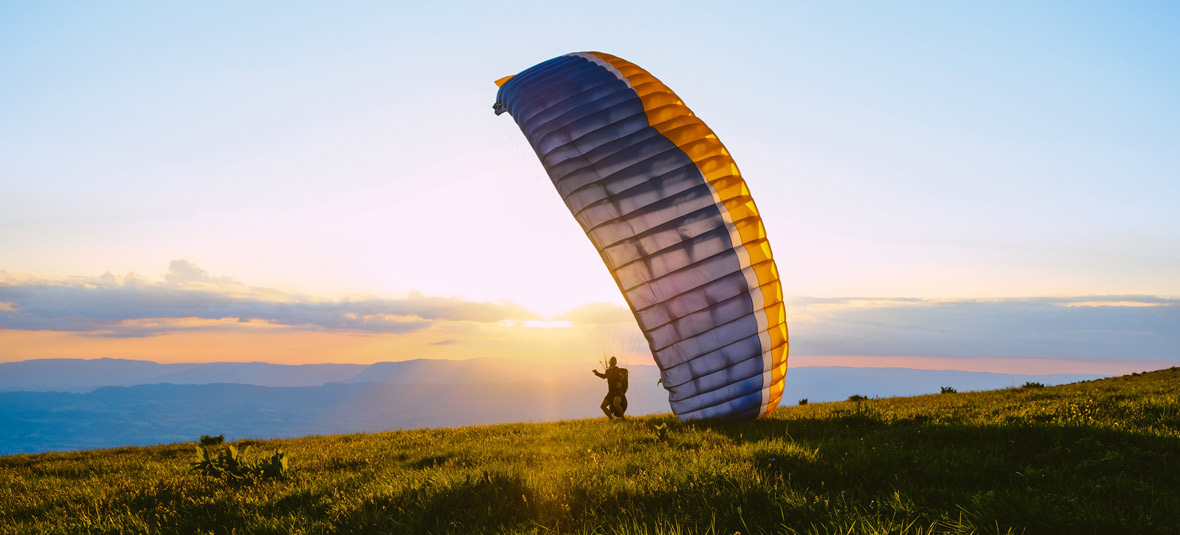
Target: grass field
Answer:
[[1094, 457]]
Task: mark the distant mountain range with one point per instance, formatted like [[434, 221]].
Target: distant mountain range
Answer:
[[68, 404], [82, 375]]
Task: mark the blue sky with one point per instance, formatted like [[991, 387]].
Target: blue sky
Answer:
[[347, 152]]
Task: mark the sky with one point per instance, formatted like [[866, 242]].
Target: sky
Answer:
[[968, 185]]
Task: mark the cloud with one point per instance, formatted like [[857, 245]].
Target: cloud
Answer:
[[183, 272], [190, 299], [1098, 327]]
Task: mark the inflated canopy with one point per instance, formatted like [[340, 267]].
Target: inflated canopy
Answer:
[[664, 204]]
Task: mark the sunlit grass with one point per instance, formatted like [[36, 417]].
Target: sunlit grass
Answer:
[[1094, 457]]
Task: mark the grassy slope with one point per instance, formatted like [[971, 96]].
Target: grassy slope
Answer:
[[1094, 457]]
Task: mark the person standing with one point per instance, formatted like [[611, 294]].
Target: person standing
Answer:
[[615, 402]]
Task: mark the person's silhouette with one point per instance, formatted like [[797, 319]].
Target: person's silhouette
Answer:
[[615, 402]]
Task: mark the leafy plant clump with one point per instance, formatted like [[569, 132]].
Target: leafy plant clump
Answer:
[[661, 430], [949, 390], [1032, 384], [232, 464], [857, 397], [803, 402], [207, 440]]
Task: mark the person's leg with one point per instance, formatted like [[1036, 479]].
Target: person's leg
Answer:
[[618, 405], [606, 406]]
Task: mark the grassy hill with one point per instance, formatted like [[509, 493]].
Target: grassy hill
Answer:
[[1095, 457]]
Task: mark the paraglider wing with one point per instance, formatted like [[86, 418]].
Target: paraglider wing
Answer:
[[665, 206]]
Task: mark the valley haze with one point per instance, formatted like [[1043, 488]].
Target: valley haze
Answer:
[[71, 404]]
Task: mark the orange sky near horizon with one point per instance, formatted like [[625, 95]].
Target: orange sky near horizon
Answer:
[[291, 345], [287, 345]]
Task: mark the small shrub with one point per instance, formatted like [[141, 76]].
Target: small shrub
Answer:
[[207, 440], [1032, 384], [661, 430], [231, 464], [857, 397], [803, 401], [949, 390]]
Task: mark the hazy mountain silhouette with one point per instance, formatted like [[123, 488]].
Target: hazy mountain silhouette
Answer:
[[84, 375], [480, 370], [264, 374], [81, 375]]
